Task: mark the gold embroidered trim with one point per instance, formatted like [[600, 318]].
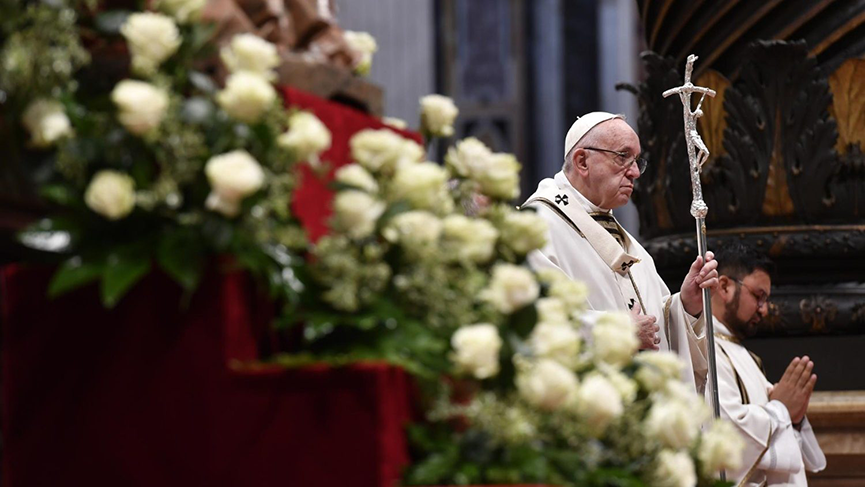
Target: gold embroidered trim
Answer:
[[756, 462], [667, 323], [745, 400], [727, 338], [637, 290], [743, 393], [757, 360]]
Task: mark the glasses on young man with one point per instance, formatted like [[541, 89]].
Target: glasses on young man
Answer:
[[761, 297], [622, 159]]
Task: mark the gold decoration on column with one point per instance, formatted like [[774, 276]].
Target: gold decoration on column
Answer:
[[847, 84], [777, 201], [713, 123]]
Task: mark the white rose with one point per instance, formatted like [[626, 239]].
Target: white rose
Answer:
[[184, 11], [111, 194], [140, 106], [615, 339], [395, 122], [511, 288], [558, 341], [233, 176], [551, 309], [476, 350], [437, 115], [46, 121], [365, 45], [673, 423], [469, 239], [383, 150], [501, 177], [677, 390], [547, 384], [656, 369], [356, 176], [307, 137], [414, 229], [675, 469], [356, 213], [625, 385], [152, 39], [250, 53], [246, 96], [572, 293], [468, 157], [551, 276], [524, 231], [497, 175], [598, 402], [720, 448], [423, 185]]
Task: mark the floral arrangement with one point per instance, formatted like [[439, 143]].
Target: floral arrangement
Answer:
[[557, 394], [160, 164]]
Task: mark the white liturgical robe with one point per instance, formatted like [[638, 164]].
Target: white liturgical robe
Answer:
[[775, 452], [618, 274]]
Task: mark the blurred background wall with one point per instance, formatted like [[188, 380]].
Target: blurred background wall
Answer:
[[520, 71]]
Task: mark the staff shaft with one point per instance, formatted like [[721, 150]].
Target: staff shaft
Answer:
[[710, 329]]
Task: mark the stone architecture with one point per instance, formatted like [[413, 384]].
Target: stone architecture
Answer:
[[786, 175], [786, 134]]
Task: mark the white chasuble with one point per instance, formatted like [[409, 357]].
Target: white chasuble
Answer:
[[775, 452], [617, 269]]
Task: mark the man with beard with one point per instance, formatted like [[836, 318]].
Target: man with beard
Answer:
[[780, 444]]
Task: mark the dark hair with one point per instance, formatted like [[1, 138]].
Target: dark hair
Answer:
[[737, 261]]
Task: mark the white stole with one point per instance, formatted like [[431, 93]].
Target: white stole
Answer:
[[554, 195]]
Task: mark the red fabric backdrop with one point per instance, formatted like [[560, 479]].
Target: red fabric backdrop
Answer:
[[148, 394], [312, 199]]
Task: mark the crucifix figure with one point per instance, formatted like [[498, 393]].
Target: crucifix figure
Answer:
[[697, 151]]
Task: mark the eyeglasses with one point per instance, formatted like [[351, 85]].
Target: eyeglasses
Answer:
[[623, 160], [761, 297]]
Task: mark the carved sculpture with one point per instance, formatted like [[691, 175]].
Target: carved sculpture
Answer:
[[300, 28], [786, 134]]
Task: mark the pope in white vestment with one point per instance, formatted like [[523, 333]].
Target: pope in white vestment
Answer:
[[777, 451], [587, 244]]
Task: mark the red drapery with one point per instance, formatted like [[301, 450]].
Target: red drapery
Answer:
[[145, 395], [312, 199], [148, 393]]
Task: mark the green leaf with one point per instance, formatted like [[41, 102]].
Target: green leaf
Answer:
[[392, 211], [436, 469], [218, 231], [123, 269], [60, 194], [523, 320], [73, 274], [202, 82], [181, 254], [110, 22]]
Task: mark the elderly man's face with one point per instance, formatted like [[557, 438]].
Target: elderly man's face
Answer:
[[608, 180]]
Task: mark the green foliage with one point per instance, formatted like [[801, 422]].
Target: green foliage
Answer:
[[180, 253], [471, 457], [42, 51], [41, 56], [74, 273], [124, 267]]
